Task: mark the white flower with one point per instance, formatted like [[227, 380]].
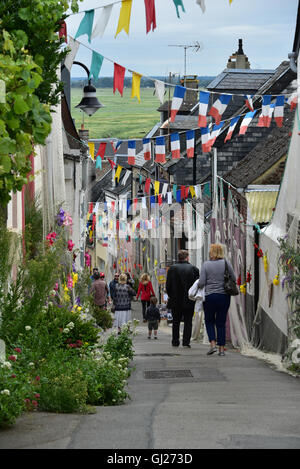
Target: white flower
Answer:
[[27, 328], [6, 392], [31, 364], [70, 325], [66, 330], [6, 365]]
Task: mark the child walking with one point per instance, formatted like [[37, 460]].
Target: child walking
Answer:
[[153, 317]]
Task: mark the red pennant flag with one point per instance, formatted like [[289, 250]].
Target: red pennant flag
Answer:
[[135, 203], [182, 192], [118, 225], [91, 207], [187, 190], [150, 15], [119, 74], [113, 207], [159, 199], [112, 163], [147, 185], [101, 150]]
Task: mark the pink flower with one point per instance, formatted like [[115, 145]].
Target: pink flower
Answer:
[[37, 378], [13, 376], [35, 403], [70, 245], [12, 358], [37, 396], [18, 350]]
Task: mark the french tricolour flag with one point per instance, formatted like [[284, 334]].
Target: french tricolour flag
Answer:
[[278, 111], [264, 118], [293, 100], [147, 149], [131, 152], [115, 144], [203, 105], [177, 101], [232, 126], [246, 121], [160, 150], [215, 132], [205, 139], [249, 102], [175, 146], [190, 143], [219, 107]]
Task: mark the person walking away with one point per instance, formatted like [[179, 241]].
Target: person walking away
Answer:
[[145, 289], [217, 302], [99, 290], [124, 294], [153, 317], [180, 277], [112, 286]]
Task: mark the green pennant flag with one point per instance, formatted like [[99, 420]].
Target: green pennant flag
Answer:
[[86, 25], [175, 191], [178, 3], [207, 189], [97, 60]]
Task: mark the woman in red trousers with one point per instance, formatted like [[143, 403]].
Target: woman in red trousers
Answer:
[[146, 291]]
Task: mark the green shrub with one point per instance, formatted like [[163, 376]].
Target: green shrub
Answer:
[[103, 317], [61, 384], [120, 345]]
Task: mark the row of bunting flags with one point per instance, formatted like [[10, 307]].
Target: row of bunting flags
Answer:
[[209, 133], [94, 29], [119, 72]]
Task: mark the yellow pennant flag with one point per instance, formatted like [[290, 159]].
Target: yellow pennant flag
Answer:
[[192, 191], [136, 85], [118, 173], [156, 187], [230, 2], [124, 19], [92, 149]]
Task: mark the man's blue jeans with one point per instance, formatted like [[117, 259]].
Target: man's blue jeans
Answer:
[[216, 308]]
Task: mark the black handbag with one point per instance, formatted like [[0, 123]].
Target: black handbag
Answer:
[[230, 285]]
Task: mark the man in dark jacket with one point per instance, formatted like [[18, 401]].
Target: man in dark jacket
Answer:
[[180, 278]]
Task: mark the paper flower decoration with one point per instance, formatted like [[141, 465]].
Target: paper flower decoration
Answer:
[[276, 280]]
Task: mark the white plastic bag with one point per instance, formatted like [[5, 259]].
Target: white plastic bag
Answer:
[[195, 293]]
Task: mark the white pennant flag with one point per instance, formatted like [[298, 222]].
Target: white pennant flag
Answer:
[[201, 3], [144, 205], [102, 21], [160, 90], [73, 48], [170, 198], [127, 174], [165, 188]]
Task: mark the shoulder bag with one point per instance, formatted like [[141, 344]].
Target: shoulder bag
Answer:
[[230, 285]]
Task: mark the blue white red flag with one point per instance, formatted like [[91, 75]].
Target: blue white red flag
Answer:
[[203, 105], [218, 108], [293, 100], [264, 118], [190, 143], [205, 138], [215, 133], [249, 102], [175, 146], [131, 152], [160, 150], [115, 144], [246, 121], [177, 101], [232, 126], [278, 111], [147, 149]]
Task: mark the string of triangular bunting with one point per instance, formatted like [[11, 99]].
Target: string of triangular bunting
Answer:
[[94, 29]]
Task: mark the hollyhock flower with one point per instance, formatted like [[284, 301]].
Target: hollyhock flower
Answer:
[[70, 245]]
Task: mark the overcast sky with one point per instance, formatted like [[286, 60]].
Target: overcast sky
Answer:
[[267, 28]]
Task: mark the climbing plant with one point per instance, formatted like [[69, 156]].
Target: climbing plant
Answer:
[[30, 54]]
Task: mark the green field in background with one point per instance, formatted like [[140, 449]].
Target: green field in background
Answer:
[[122, 118]]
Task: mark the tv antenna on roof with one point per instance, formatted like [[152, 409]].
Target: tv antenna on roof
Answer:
[[197, 46]]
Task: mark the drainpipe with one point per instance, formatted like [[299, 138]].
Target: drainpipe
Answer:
[[256, 270]]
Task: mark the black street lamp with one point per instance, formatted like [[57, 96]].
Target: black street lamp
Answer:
[[89, 103]]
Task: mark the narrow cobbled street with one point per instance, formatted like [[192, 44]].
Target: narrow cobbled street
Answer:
[[182, 399]]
